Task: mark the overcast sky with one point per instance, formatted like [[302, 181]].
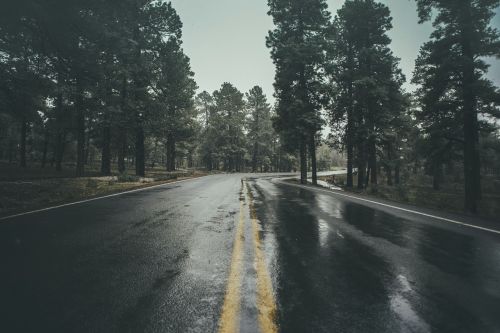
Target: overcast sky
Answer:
[[225, 40]]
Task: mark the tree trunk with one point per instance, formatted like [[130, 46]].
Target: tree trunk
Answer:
[[472, 166], [437, 176], [87, 149], [140, 166], [367, 179], [59, 122], [106, 149], [122, 149], [373, 166], [372, 159], [397, 180], [171, 152], [350, 126], [361, 166], [388, 172], [254, 158], [140, 161], [80, 131], [59, 150], [62, 150], [350, 152], [312, 153], [303, 161], [388, 164], [10, 151], [122, 131], [45, 148], [22, 148]]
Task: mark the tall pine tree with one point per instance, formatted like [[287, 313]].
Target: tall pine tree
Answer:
[[451, 68], [298, 45]]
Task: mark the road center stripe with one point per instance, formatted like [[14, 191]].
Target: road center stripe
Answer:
[[266, 302], [229, 320]]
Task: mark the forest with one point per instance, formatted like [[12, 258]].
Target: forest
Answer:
[[105, 87]]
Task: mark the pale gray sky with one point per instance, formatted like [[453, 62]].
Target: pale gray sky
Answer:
[[225, 40]]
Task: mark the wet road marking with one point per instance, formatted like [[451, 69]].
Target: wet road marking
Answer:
[[229, 320], [93, 199], [396, 207], [266, 303]]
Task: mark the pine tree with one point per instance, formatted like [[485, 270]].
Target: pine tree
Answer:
[[367, 91], [260, 131], [228, 125], [452, 72], [174, 89], [297, 48]]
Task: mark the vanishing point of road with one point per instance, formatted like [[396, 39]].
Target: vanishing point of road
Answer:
[[247, 253]]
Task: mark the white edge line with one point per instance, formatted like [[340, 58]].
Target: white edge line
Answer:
[[395, 207], [93, 199]]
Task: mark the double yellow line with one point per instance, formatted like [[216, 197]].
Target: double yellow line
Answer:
[[266, 304]]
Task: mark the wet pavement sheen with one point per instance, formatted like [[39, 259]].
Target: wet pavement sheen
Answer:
[[341, 266], [159, 260]]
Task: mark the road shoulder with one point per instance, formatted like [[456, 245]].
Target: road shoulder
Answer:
[[405, 210], [15, 202]]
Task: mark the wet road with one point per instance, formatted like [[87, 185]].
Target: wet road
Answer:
[[222, 254]]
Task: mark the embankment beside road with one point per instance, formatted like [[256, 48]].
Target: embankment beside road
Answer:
[[421, 195], [26, 195]]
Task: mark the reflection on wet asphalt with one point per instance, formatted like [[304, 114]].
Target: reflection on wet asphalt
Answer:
[[342, 266], [159, 261], [150, 261]]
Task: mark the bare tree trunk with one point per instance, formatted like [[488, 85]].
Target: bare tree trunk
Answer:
[[140, 161], [106, 132], [10, 151], [122, 149], [397, 180], [45, 148], [22, 148], [437, 176], [80, 131], [122, 131], [472, 165], [350, 127], [312, 153], [388, 171], [106, 149], [254, 157], [372, 156], [303, 161], [60, 135], [170, 152], [361, 166], [87, 149]]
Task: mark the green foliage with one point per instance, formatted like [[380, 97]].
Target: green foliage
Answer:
[[260, 131], [98, 74], [457, 101], [367, 105], [297, 48]]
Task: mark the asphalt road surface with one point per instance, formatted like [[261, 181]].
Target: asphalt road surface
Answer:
[[247, 253]]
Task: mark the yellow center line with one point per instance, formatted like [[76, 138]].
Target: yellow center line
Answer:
[[229, 320], [266, 302]]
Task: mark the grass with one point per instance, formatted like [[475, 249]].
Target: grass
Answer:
[[29, 189], [420, 193]]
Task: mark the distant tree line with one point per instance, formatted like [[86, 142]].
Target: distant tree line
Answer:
[[86, 82], [345, 66], [237, 133], [108, 83]]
